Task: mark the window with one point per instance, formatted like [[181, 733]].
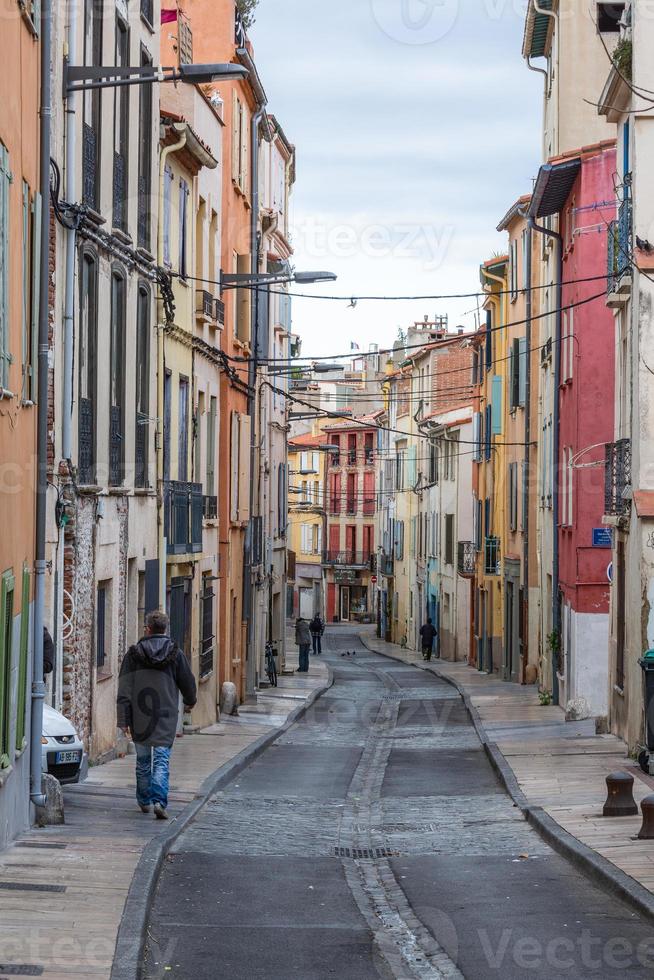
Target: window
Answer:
[[568, 351], [210, 485], [488, 432], [609, 16], [399, 540], [513, 496], [335, 457], [489, 340], [168, 421], [351, 450], [92, 107], [117, 380], [242, 300], [6, 659], [369, 449], [492, 556], [31, 291], [102, 625], [525, 258], [240, 146], [513, 270], [368, 493], [352, 493], [183, 228], [145, 155], [167, 210], [240, 475], [476, 437], [5, 183], [335, 493], [142, 386], [449, 539], [567, 516], [496, 405], [87, 366], [182, 431], [121, 130], [208, 636], [433, 462], [368, 541], [21, 699]]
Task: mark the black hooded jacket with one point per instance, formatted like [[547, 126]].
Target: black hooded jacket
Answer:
[[152, 676]]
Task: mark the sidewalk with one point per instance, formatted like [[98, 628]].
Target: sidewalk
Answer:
[[559, 766], [63, 889]]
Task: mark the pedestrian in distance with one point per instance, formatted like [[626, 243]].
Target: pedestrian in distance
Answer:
[[303, 640], [317, 627], [427, 636], [153, 674]]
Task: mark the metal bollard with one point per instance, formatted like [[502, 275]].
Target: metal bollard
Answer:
[[620, 800], [646, 832]]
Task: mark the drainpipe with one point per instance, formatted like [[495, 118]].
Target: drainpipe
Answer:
[[70, 238], [161, 367], [249, 605], [526, 474], [37, 796], [556, 606]]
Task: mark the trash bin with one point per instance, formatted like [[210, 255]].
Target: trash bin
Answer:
[[647, 664]]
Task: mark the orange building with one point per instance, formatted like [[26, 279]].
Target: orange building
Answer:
[[20, 215], [219, 36]]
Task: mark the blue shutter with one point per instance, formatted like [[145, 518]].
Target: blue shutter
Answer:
[[487, 432], [5, 179], [522, 371], [496, 402], [168, 184], [25, 340]]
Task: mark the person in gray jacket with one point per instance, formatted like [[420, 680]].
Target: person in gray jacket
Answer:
[[153, 674], [303, 640]]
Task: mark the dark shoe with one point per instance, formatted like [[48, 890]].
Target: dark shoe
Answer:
[[144, 807], [160, 812]]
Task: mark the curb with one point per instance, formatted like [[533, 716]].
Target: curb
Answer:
[[132, 932], [597, 868]]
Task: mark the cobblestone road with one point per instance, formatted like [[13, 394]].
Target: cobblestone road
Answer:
[[372, 840]]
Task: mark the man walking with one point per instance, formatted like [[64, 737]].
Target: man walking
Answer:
[[152, 676], [427, 635], [303, 640], [317, 628]]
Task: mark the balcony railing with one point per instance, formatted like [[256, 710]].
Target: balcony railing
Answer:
[[619, 246], [219, 312], [492, 556], [205, 304], [466, 558], [89, 166], [120, 191], [617, 478], [210, 508], [183, 512], [348, 559]]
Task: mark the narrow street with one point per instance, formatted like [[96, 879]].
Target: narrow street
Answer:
[[372, 839]]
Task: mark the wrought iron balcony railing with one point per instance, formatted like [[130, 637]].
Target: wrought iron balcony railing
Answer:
[[348, 559], [617, 478], [619, 246], [183, 512], [466, 558], [492, 556]]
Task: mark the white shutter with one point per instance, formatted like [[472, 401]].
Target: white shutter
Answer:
[[236, 139], [244, 469], [234, 474]]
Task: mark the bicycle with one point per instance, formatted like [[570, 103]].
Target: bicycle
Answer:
[[271, 666]]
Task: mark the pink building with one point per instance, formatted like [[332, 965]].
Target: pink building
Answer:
[[580, 187]]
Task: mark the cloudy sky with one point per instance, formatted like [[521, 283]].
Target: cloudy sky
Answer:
[[417, 124]]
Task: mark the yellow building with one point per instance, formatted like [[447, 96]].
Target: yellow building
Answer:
[[306, 466], [490, 370]]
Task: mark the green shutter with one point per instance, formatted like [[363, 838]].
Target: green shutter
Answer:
[[25, 324], [36, 292], [6, 634], [21, 701], [5, 179], [522, 371], [413, 472], [496, 403]]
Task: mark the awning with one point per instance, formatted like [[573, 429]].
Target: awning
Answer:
[[553, 186]]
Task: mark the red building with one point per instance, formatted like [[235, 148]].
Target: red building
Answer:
[[580, 187], [351, 514]]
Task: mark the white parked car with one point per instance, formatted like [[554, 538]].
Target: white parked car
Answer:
[[62, 748]]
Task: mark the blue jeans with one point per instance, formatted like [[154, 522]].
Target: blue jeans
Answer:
[[304, 658], [152, 774], [317, 645]]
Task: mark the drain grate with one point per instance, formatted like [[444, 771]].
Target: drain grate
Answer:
[[20, 886], [41, 846], [21, 970], [367, 853]]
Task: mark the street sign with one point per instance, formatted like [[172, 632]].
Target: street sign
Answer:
[[609, 572], [602, 537], [373, 579]]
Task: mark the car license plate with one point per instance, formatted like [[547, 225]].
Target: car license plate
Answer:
[[63, 757]]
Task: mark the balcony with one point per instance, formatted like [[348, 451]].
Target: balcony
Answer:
[[492, 556], [617, 479], [466, 559], [386, 564], [347, 559], [183, 513], [619, 249]]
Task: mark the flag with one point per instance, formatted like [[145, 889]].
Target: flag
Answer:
[[168, 16], [354, 346]]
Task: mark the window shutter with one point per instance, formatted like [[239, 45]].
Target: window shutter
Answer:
[[236, 139], [244, 468], [21, 699], [522, 371], [487, 432], [36, 293], [245, 161], [476, 434], [168, 186], [25, 352], [5, 179], [496, 403], [234, 469]]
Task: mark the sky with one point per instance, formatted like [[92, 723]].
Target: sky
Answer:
[[416, 125]]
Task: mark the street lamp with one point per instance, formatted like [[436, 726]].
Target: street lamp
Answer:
[[83, 77], [240, 280]]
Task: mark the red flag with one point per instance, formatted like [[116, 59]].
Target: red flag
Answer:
[[168, 16]]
